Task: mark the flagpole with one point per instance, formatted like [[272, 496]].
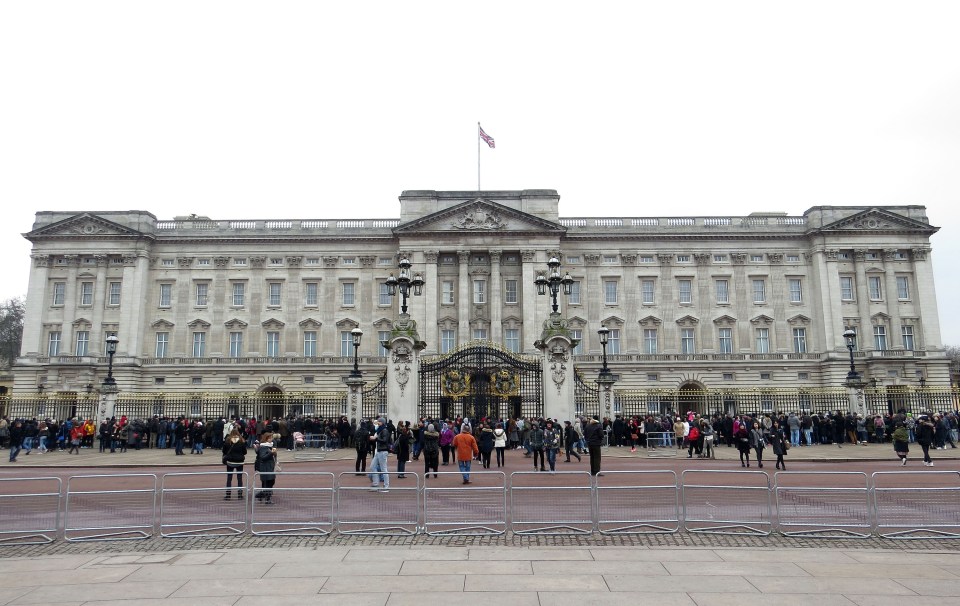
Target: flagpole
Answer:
[[478, 156]]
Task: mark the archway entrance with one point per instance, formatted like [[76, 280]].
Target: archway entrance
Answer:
[[270, 403], [691, 397]]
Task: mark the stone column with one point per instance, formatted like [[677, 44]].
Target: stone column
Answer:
[[463, 298], [431, 298], [894, 339], [858, 403], [555, 345], [355, 398], [605, 382], [108, 403], [529, 301], [35, 306], [68, 330], [403, 370], [926, 297], [496, 298], [99, 302], [863, 301]]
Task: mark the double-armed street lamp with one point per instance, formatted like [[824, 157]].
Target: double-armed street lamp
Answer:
[[553, 282], [405, 284]]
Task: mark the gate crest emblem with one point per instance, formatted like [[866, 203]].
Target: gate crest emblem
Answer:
[[455, 383], [505, 384]]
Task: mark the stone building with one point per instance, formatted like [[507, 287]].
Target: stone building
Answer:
[[268, 306]]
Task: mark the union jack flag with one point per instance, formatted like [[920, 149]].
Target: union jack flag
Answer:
[[487, 138]]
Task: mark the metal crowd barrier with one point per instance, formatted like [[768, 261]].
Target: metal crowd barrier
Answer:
[[555, 503], [927, 507], [836, 509], [479, 508], [365, 510], [660, 444], [198, 504], [301, 503], [894, 505], [314, 448], [126, 511], [648, 503], [29, 510], [714, 507]]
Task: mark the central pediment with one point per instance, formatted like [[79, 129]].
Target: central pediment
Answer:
[[878, 220], [479, 215], [81, 225]]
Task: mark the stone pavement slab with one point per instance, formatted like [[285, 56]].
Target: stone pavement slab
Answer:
[[384, 575]]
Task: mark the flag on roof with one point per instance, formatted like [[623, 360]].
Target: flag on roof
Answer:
[[487, 138]]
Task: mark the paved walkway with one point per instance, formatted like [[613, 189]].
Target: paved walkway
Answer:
[[162, 458], [485, 575]]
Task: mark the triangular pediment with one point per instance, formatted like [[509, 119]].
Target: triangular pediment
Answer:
[[235, 323], [84, 225], [878, 220], [725, 320], [479, 216], [198, 323], [162, 324], [309, 324], [272, 324], [651, 321]]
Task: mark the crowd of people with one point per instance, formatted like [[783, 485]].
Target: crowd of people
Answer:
[[541, 439]]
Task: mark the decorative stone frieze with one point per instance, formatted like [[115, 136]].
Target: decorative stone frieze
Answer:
[[702, 258], [528, 256], [738, 258], [775, 257], [919, 254], [330, 261], [592, 258], [185, 262], [296, 261], [221, 262], [367, 261], [259, 262]]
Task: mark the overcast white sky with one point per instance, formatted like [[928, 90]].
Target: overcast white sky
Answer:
[[244, 110]]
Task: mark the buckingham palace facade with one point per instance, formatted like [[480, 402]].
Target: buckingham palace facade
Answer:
[[248, 305]]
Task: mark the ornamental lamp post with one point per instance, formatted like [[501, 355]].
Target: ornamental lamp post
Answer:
[[604, 334], [853, 377], [356, 334], [405, 284], [554, 282], [112, 342]]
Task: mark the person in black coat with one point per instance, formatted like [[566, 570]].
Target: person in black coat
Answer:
[[777, 444]]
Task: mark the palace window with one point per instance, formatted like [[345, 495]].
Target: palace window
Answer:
[[348, 290], [610, 292], [311, 294], [846, 288], [310, 343], [906, 332], [202, 290], [86, 293], [685, 292], [722, 288], [903, 288], [876, 292], [759, 291], [113, 294], [199, 344], [83, 343], [163, 339], [479, 292], [880, 337], [448, 340], [446, 293], [800, 340], [274, 294], [648, 294], [238, 294], [650, 341], [510, 292], [725, 336], [166, 295], [236, 344], [574, 298], [687, 341], [763, 340], [796, 290], [273, 344]]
